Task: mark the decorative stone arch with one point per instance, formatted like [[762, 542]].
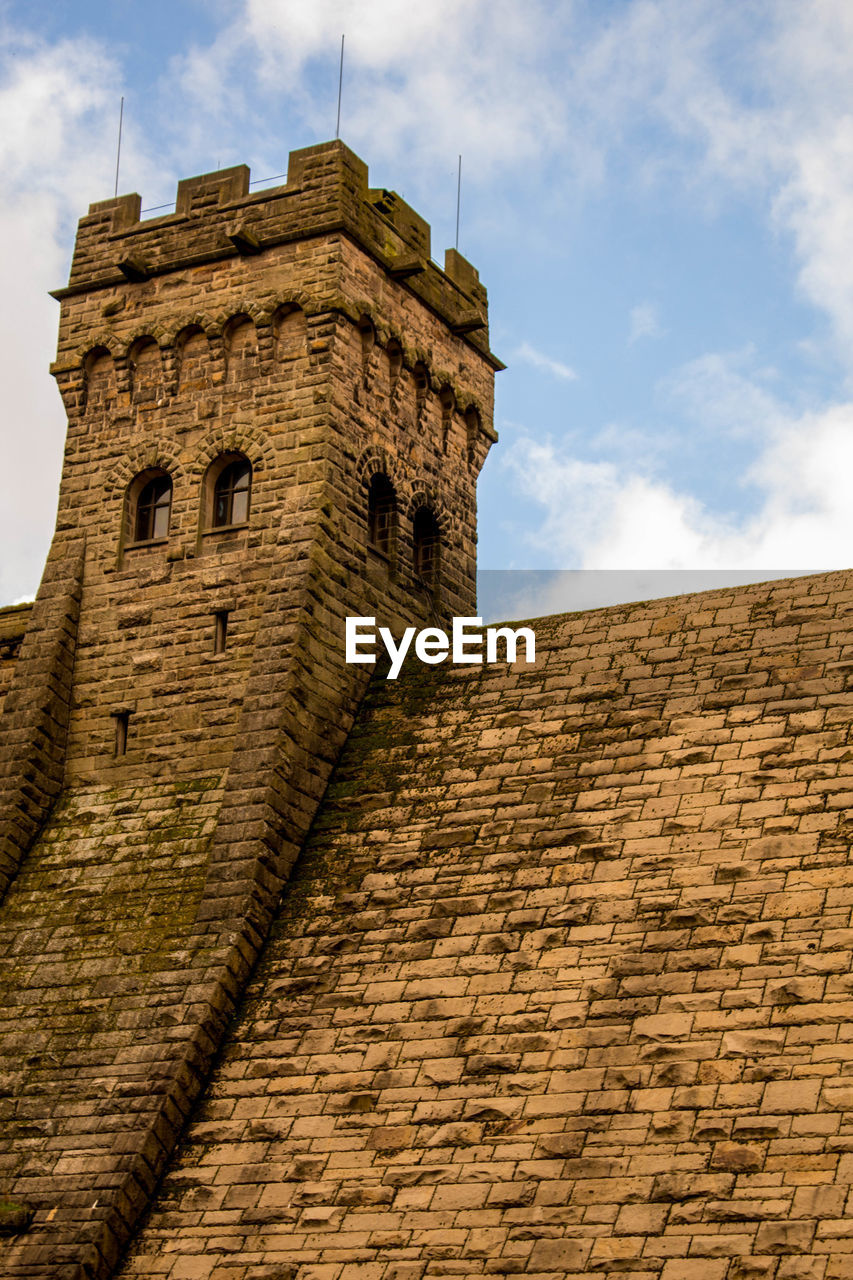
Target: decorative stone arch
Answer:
[[289, 323], [106, 340], [473, 422], [243, 352], [236, 437], [157, 455], [367, 332], [197, 320], [223, 445], [430, 525], [422, 379], [426, 496], [259, 314], [367, 338], [294, 298], [382, 501], [145, 370], [396, 356], [192, 361], [100, 372], [375, 460], [448, 402], [159, 333]]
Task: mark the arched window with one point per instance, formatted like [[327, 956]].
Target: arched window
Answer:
[[368, 336], [193, 360], [448, 405], [291, 333], [145, 367], [381, 515], [231, 493], [241, 349], [153, 508], [99, 378], [395, 360], [427, 544], [472, 430]]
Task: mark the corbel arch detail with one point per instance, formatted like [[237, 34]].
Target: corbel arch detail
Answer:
[[105, 340], [286, 301], [254, 311], [195, 320], [158, 333]]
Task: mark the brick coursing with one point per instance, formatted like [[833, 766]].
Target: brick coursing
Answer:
[[554, 979], [561, 983]]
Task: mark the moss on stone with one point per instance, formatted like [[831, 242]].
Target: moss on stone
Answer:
[[14, 1217]]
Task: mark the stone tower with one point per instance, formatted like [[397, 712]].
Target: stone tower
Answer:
[[278, 406]]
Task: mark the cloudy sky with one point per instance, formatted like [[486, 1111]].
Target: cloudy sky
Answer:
[[657, 193]]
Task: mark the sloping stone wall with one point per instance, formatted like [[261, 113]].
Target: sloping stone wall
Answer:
[[561, 985]]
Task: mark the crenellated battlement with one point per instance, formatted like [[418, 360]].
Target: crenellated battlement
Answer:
[[218, 217]]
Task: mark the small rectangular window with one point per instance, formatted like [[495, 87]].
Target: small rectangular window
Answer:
[[122, 719], [220, 630]]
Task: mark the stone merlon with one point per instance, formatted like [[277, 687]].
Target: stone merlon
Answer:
[[217, 216]]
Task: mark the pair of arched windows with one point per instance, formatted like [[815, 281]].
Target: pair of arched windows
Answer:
[[382, 524], [228, 503]]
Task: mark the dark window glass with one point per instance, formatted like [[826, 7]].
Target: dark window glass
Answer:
[[220, 630], [231, 494], [381, 514], [427, 546], [122, 719], [152, 509]]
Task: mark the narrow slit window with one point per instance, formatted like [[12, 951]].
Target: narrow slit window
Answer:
[[220, 630], [122, 720]]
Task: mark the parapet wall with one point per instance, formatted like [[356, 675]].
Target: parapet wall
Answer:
[[217, 217], [561, 986]]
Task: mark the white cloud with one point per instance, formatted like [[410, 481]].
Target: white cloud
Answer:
[[644, 322], [530, 355], [727, 99], [753, 98], [756, 99], [429, 80], [59, 104], [725, 395], [53, 103], [603, 516]]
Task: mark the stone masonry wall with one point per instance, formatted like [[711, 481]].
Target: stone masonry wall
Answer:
[[306, 330], [13, 625], [561, 984]]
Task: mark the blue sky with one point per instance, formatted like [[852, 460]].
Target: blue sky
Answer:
[[658, 195]]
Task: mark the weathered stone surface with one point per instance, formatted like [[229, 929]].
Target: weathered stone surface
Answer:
[[175, 699], [558, 982], [690, 1132]]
